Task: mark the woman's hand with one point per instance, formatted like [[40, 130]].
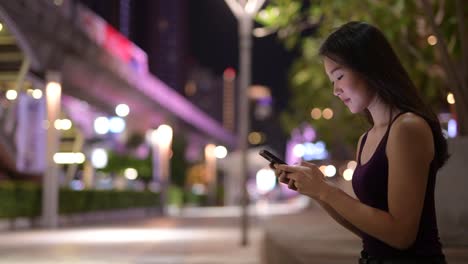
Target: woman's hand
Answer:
[[282, 176], [307, 178]]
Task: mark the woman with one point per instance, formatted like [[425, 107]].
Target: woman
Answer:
[[398, 157]]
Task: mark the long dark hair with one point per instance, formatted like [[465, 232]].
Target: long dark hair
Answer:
[[364, 49]]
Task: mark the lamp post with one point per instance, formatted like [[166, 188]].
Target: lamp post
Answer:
[[50, 179], [244, 11], [161, 140], [210, 172]]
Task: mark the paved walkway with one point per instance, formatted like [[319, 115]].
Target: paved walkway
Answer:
[[191, 236], [160, 241], [313, 237]]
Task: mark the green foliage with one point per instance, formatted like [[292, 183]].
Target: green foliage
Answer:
[[23, 199], [402, 22], [117, 163], [176, 196]]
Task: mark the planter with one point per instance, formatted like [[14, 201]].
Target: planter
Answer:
[[452, 195]]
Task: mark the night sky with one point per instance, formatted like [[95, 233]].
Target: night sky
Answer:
[[214, 44]]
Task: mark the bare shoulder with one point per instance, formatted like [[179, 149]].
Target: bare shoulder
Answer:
[[411, 131], [410, 125]]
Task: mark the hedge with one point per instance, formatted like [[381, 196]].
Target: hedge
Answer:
[[24, 199]]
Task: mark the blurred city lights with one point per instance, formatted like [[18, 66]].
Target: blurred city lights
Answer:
[[299, 150], [131, 173], [99, 158], [348, 174], [62, 124], [330, 171], [255, 138], [450, 98], [116, 125], [54, 89], [327, 113], [220, 152], [190, 88], [259, 91], [266, 180], [101, 125], [229, 74], [37, 94], [162, 135], [58, 2], [11, 95], [69, 158], [122, 110], [352, 165], [314, 151], [1, 26], [316, 113], [198, 189], [452, 128], [432, 40], [76, 185], [210, 151], [309, 133]]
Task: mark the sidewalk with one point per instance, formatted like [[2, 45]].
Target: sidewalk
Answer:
[[313, 237]]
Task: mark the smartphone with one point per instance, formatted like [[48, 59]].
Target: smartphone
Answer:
[[270, 157], [275, 160]]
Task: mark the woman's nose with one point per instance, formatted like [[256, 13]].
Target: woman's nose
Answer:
[[336, 90]]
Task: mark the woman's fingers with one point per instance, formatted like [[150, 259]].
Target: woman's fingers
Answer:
[[283, 178], [272, 166], [287, 168], [308, 164], [291, 185]]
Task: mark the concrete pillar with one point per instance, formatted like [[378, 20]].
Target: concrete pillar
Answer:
[[50, 181]]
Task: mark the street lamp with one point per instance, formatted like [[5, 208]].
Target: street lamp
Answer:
[[50, 179], [210, 172], [244, 11], [161, 140]]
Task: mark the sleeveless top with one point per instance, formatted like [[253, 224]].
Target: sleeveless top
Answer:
[[370, 183]]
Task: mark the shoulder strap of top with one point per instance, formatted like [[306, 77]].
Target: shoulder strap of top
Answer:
[[384, 140], [393, 120], [391, 123], [363, 141]]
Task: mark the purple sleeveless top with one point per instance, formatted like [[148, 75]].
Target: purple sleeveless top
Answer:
[[370, 183]]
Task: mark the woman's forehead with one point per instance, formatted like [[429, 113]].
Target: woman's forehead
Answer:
[[330, 65]]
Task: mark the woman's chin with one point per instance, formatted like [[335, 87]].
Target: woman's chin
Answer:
[[355, 110]]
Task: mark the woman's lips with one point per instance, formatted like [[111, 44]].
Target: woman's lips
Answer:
[[346, 101]]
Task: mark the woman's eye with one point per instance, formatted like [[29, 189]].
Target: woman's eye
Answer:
[[339, 78]]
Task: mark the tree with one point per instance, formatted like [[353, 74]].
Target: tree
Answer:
[[303, 25]]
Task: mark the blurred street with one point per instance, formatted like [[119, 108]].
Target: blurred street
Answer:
[[196, 235], [159, 240]]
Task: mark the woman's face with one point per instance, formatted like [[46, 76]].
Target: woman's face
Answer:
[[348, 86]]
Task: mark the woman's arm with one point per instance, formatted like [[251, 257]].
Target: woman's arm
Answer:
[[332, 212], [340, 220], [410, 150]]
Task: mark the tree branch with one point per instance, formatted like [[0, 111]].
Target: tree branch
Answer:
[[464, 44], [456, 82]]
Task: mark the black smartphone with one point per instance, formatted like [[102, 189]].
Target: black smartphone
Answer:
[[270, 157], [275, 160]]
